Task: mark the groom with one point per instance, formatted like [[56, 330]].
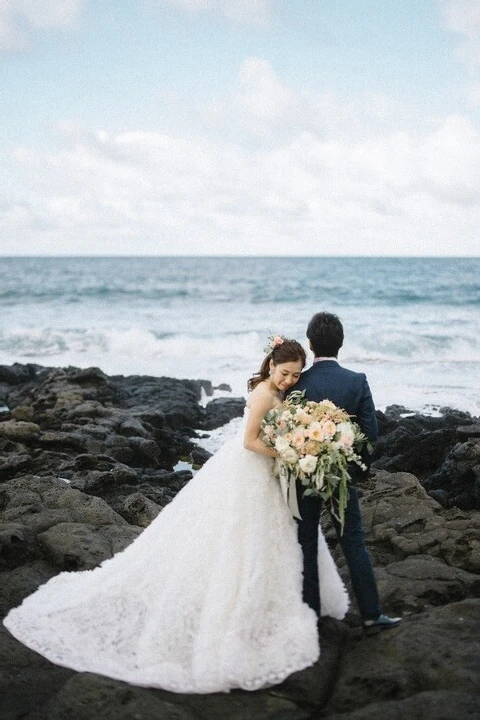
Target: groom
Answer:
[[326, 379]]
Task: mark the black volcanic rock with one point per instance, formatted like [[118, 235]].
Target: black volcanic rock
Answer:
[[87, 461], [17, 374], [221, 410], [177, 400], [428, 447], [459, 475]]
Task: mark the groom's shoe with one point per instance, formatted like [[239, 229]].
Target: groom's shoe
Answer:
[[383, 622]]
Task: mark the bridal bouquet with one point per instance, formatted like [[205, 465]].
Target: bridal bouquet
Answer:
[[315, 443]]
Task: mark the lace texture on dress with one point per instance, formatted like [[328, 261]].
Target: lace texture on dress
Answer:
[[207, 598]]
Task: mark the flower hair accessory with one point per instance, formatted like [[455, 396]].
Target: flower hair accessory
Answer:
[[273, 342]]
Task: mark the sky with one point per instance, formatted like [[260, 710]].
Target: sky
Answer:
[[240, 127]]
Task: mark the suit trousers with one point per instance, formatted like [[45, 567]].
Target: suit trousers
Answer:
[[353, 545]]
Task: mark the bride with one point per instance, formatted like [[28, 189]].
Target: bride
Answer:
[[209, 596]]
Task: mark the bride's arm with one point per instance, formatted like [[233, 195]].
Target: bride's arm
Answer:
[[260, 404]]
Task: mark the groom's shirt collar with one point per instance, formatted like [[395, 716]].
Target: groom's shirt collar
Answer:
[[322, 359]]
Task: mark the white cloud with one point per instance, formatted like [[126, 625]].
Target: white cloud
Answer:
[[268, 109], [247, 12], [263, 101], [451, 161], [463, 18], [18, 18], [307, 187], [473, 95]]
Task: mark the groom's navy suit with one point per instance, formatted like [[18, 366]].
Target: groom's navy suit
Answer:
[[326, 379]]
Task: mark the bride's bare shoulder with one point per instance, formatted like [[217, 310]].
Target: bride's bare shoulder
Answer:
[[262, 396]]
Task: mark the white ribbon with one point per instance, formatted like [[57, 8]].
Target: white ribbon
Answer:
[[289, 490]]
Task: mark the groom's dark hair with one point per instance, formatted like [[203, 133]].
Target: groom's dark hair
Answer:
[[325, 332]]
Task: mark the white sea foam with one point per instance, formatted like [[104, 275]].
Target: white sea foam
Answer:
[[419, 380], [413, 327]]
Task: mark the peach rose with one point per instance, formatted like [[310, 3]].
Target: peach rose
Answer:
[[329, 427], [298, 438], [316, 432]]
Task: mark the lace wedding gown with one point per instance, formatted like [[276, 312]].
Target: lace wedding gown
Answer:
[[207, 598]]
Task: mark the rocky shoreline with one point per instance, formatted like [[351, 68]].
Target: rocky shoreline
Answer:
[[88, 460]]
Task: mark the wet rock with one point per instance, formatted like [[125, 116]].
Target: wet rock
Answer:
[[140, 510], [132, 427], [424, 446], [13, 544], [19, 431], [17, 373], [20, 581], [119, 448], [49, 462], [420, 582], [159, 487], [80, 546], [436, 651], [90, 481], [90, 461], [15, 464], [35, 505], [240, 705], [458, 475], [128, 435], [22, 412], [402, 520], [89, 376], [27, 680], [467, 432], [221, 410], [428, 705], [423, 555], [89, 409], [139, 422], [124, 474], [62, 440], [146, 452], [199, 456], [155, 418], [86, 696], [176, 399], [405, 450]]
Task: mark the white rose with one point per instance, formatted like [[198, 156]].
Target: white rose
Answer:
[[281, 445], [347, 434], [289, 456], [308, 464]]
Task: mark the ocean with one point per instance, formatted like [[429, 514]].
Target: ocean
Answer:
[[412, 324]]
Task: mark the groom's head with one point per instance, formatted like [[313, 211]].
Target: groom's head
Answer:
[[325, 332]]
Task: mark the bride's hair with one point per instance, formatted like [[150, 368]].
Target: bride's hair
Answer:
[[287, 351]]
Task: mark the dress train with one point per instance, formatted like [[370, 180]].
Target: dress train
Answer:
[[208, 597]]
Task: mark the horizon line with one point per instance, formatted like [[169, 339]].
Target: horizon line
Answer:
[[242, 255]]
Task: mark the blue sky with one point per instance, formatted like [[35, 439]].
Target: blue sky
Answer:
[[240, 127]]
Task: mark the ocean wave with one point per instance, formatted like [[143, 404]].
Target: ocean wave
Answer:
[[412, 325], [424, 377], [98, 293], [339, 282]]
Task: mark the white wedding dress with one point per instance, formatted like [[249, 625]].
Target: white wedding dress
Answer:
[[207, 598]]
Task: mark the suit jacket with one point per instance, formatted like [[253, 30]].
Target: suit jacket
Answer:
[[327, 380]]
